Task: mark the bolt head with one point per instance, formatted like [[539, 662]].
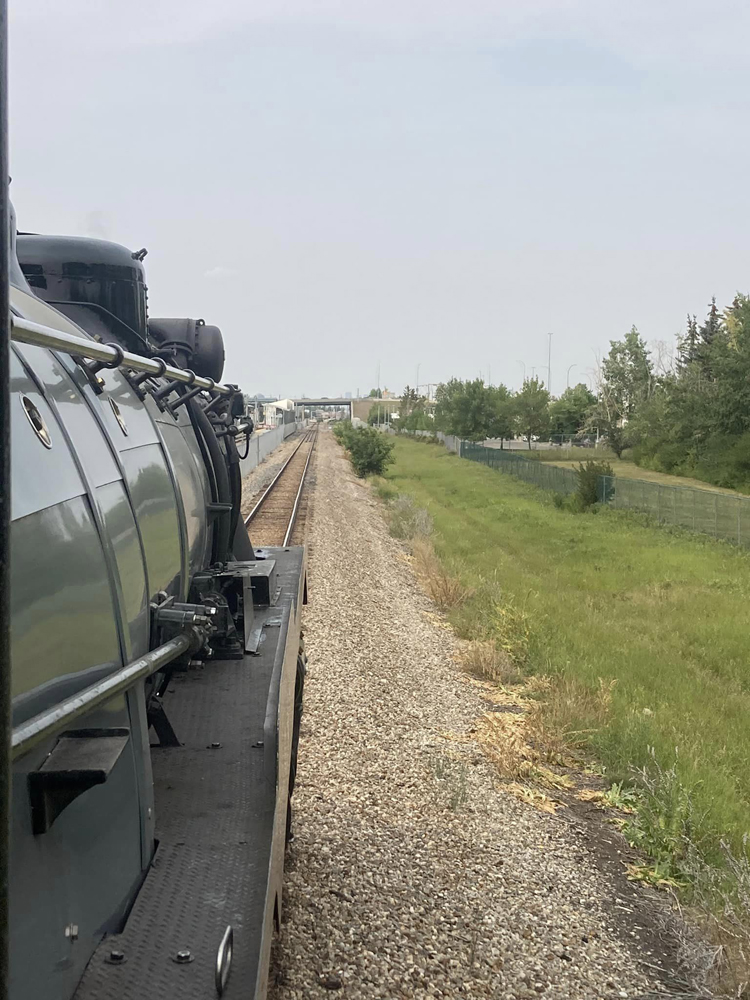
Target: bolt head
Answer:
[[116, 956], [183, 956]]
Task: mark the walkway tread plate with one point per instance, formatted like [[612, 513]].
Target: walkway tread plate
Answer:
[[214, 825]]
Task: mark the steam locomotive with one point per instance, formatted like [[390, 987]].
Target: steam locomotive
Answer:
[[157, 664]]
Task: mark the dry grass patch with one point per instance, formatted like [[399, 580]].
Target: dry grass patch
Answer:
[[483, 659], [566, 714], [446, 590]]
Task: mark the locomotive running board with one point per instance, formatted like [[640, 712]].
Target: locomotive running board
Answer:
[[221, 802]]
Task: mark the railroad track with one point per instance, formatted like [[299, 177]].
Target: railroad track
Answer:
[[275, 513]]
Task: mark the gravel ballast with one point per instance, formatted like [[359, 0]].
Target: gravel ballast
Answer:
[[412, 873]]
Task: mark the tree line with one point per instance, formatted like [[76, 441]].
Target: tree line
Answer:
[[684, 410], [474, 411]]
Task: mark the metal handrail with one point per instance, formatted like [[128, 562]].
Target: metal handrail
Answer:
[[41, 726], [25, 332]]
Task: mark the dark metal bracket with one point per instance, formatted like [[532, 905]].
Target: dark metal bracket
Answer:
[[80, 759], [158, 718]]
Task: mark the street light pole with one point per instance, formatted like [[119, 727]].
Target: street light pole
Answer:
[[567, 377], [524, 368], [549, 365]]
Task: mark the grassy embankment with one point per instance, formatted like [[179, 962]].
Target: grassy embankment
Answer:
[[643, 632]]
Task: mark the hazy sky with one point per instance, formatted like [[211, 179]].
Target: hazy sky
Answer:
[[403, 182]]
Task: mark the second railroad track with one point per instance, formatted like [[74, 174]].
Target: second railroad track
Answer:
[[276, 512]]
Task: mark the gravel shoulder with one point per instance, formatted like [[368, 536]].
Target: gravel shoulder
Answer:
[[412, 873]]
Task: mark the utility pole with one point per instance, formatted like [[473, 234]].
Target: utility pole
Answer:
[[549, 365]]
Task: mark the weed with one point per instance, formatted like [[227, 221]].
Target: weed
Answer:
[[406, 520], [567, 713], [383, 489], [454, 775], [511, 630], [619, 797], [665, 822], [445, 589], [483, 659]]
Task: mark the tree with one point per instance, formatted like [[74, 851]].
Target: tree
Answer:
[[502, 413], [688, 347], [728, 361], [712, 327], [375, 394], [532, 409], [626, 381], [409, 399], [411, 410], [627, 374], [466, 409], [568, 414]]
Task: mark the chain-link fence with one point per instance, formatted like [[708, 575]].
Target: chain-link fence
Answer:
[[721, 515], [707, 511], [549, 477]]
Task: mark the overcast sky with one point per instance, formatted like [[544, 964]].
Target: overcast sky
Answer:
[[398, 182]]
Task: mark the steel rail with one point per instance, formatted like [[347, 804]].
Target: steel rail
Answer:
[[23, 331], [273, 482], [293, 518], [41, 726]]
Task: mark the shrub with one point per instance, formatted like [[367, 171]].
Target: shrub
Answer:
[[588, 482], [369, 450], [342, 431]]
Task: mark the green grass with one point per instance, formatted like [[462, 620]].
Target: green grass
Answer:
[[607, 596]]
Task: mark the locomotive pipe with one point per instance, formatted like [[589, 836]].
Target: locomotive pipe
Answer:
[[42, 726], [204, 430], [26, 332]]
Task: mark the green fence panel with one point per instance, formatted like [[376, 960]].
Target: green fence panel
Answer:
[[550, 477], [721, 515]]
